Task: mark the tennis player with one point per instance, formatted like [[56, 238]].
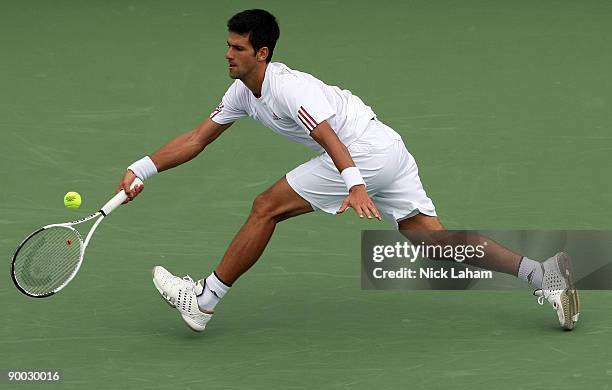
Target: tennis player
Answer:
[[362, 164]]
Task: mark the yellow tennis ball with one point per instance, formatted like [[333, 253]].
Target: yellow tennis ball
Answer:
[[72, 200]]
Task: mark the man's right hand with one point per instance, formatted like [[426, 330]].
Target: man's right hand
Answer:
[[125, 184]]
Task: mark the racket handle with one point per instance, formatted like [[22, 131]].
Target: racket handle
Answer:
[[118, 199]]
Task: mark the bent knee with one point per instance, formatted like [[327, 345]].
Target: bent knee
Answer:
[[265, 206]]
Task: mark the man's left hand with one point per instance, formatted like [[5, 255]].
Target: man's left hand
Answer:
[[359, 200]]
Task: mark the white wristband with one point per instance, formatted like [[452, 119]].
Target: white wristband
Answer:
[[352, 177], [143, 168]]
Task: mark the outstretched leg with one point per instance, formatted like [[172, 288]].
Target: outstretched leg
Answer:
[[274, 205], [423, 228], [553, 278], [196, 301]]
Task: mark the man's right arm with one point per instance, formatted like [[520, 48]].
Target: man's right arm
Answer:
[[178, 151], [186, 146]]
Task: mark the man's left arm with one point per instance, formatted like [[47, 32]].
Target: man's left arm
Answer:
[[358, 197]]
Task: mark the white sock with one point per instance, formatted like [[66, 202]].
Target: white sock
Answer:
[[531, 271], [214, 290]]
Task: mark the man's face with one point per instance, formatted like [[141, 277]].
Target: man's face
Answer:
[[240, 55]]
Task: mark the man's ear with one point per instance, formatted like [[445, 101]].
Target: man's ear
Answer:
[[262, 54]]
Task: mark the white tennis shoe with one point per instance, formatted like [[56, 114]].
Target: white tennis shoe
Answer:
[[558, 289], [182, 293]]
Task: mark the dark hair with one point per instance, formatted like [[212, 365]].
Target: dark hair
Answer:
[[261, 26]]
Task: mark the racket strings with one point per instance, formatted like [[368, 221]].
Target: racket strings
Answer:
[[47, 259]]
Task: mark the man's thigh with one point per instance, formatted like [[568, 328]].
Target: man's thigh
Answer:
[[319, 184]]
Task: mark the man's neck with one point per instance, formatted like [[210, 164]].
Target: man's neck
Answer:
[[255, 81]]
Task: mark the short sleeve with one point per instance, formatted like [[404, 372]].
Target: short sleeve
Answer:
[[306, 104], [231, 107]]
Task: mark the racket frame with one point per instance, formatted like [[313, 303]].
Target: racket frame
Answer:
[[104, 211]]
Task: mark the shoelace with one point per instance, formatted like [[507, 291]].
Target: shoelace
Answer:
[[543, 295], [190, 284], [186, 282]]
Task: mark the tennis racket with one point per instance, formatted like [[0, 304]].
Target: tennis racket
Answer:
[[49, 258]]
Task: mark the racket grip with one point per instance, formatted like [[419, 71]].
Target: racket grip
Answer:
[[118, 199]]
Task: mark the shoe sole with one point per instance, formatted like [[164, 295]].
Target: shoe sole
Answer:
[[163, 295], [186, 322], [569, 298]]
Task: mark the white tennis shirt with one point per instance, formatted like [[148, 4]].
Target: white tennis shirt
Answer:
[[293, 103]]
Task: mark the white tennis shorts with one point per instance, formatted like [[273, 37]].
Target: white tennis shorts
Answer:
[[389, 170]]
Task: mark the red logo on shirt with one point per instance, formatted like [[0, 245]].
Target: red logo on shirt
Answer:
[[216, 111], [307, 119]]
